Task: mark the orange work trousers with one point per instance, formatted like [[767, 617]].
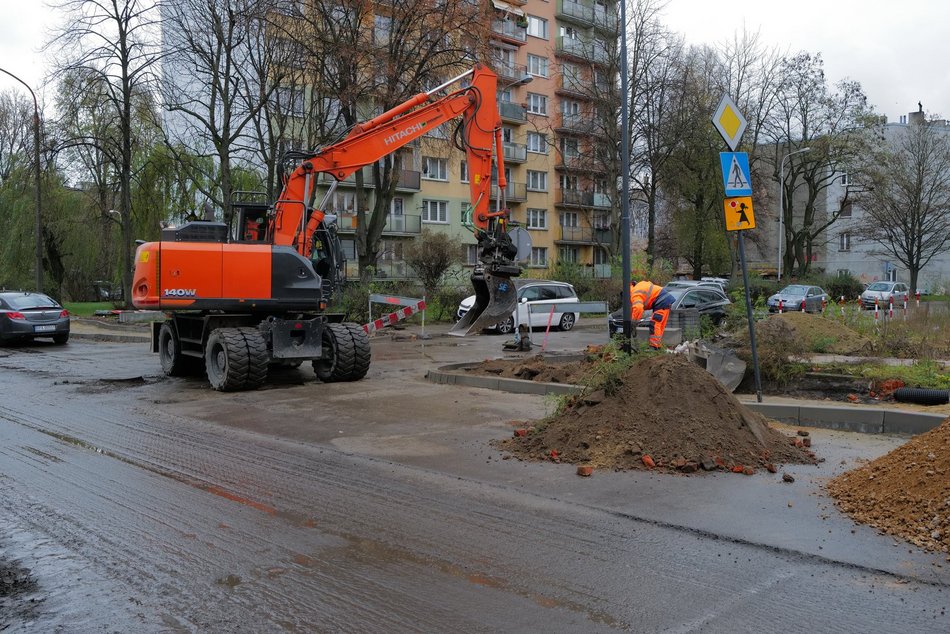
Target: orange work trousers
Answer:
[[657, 326]]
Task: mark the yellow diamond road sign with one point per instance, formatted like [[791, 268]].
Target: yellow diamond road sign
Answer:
[[729, 121], [739, 214]]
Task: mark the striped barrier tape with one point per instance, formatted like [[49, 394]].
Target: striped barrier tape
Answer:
[[399, 315]]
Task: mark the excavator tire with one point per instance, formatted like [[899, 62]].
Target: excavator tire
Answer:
[[348, 354], [174, 363], [257, 358], [227, 360]]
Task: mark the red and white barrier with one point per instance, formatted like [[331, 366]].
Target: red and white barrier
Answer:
[[780, 306], [392, 318]]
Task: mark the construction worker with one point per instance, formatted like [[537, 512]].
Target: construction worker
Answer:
[[647, 295]]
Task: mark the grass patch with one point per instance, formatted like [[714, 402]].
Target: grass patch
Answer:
[[926, 374], [86, 309]]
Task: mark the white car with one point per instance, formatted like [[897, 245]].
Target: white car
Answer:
[[534, 293]]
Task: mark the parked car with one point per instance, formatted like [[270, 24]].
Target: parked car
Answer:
[[883, 293], [792, 296], [694, 283], [709, 301], [534, 293], [25, 315]]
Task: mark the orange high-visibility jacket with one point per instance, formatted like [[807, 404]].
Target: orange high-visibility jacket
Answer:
[[642, 296]]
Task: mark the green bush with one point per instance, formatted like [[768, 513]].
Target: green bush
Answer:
[[842, 285]]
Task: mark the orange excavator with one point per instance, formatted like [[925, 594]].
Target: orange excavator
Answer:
[[240, 299]]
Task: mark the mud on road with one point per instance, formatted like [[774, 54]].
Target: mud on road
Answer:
[[140, 503]]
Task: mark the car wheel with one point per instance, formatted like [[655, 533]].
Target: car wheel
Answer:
[[567, 321], [61, 339], [507, 326]]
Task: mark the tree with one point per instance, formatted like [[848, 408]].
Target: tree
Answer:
[[905, 194], [218, 77], [114, 44], [431, 256], [367, 57], [836, 125]]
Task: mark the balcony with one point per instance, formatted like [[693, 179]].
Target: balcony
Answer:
[[584, 235], [573, 87], [605, 21], [575, 12], [514, 192], [515, 152], [409, 180], [395, 225], [510, 71], [577, 198], [509, 30], [577, 123], [513, 112], [578, 49]]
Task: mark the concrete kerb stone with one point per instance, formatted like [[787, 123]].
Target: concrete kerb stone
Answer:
[[864, 420]]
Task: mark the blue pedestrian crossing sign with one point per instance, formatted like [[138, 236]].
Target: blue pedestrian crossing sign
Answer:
[[735, 173]]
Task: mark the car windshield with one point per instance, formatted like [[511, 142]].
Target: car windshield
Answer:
[[794, 289], [879, 286], [23, 301]]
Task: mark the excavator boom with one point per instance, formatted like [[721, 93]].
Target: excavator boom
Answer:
[[294, 224]]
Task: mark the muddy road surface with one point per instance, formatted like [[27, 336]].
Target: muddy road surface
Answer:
[[131, 502]]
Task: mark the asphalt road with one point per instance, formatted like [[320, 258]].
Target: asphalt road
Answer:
[[143, 503]]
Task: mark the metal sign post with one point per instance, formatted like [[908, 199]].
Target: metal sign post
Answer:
[[737, 183]]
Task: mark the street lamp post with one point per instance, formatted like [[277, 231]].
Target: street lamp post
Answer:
[[36, 170], [781, 203]]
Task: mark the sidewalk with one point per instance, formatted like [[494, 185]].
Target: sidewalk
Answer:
[[104, 330]]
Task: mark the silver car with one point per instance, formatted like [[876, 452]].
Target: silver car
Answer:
[[793, 296], [535, 293], [882, 293]]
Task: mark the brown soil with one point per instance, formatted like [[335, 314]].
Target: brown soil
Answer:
[[665, 410], [825, 335], [536, 368], [904, 493]]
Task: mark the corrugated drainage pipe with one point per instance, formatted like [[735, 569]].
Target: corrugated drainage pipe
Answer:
[[921, 396]]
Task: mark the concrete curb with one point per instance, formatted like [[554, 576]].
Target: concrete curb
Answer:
[[870, 420]]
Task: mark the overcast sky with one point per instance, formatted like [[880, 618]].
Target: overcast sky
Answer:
[[899, 53]]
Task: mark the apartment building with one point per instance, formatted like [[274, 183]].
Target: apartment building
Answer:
[[555, 63]]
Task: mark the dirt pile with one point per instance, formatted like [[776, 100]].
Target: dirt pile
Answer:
[[665, 412], [824, 335], [904, 493]]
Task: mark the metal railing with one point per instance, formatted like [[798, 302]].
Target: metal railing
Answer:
[[403, 225], [515, 152], [585, 235], [510, 29], [514, 192], [513, 112], [575, 11]]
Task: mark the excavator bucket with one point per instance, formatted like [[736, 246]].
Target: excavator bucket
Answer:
[[495, 300]]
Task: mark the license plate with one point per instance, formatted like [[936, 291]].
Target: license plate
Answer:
[[44, 328]]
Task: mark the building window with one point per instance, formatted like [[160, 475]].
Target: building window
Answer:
[[290, 100], [463, 171], [537, 143], [434, 168], [569, 182], [342, 202], [568, 254], [601, 221], [537, 181], [537, 27], [844, 272], [569, 219], [471, 254], [570, 148], [601, 257], [435, 211], [844, 241], [537, 219], [846, 211], [570, 33], [537, 104], [383, 29], [846, 179], [537, 65], [539, 256]]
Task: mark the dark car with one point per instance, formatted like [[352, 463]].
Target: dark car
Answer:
[[707, 300], [25, 316]]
